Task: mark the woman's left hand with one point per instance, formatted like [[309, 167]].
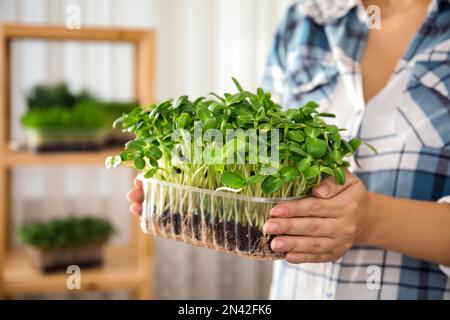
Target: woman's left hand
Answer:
[[324, 227]]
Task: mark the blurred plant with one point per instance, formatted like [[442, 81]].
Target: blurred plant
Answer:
[[66, 232], [55, 106], [47, 96]]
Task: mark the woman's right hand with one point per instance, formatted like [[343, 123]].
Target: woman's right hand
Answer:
[[136, 197]]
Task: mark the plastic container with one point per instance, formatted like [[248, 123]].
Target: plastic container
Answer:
[[61, 258], [64, 139], [220, 220]]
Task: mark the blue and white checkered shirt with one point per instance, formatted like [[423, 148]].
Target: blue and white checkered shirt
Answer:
[[316, 56]]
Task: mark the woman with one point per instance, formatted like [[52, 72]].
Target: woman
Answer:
[[383, 235]]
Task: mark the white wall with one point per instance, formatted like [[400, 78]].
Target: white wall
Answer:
[[201, 44]]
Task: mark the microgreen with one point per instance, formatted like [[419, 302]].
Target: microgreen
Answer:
[[67, 232], [310, 149]]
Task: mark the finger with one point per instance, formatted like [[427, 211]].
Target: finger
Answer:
[[299, 257], [136, 208], [302, 244], [313, 227], [308, 207], [138, 183], [135, 195], [329, 188]]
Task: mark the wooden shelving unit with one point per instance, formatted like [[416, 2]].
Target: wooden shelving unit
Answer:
[[127, 267]]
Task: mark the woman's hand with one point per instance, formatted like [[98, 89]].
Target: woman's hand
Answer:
[[136, 197], [324, 227]]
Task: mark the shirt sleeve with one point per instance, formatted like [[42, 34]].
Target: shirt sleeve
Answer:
[[445, 269], [273, 80]]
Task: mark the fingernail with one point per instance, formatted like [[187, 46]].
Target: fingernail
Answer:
[[279, 212], [277, 244], [322, 190], [271, 227]]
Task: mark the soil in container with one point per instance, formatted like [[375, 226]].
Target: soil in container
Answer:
[[212, 233]]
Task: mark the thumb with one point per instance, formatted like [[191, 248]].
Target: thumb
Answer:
[[329, 188]]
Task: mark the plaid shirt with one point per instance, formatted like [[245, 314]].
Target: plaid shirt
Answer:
[[316, 56]]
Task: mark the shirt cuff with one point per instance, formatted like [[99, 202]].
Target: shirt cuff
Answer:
[[445, 269]]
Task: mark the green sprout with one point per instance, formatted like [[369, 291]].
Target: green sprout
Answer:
[[309, 149], [68, 232]]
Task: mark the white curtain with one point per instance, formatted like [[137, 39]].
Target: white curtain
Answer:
[[200, 45]]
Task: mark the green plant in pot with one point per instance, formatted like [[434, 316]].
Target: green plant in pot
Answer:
[[213, 167], [60, 120], [58, 243], [112, 110], [60, 129]]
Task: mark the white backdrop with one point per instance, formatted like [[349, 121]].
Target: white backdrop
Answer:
[[201, 44]]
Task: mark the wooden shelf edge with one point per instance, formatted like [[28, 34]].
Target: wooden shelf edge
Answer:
[[26, 158], [119, 271], [61, 32]]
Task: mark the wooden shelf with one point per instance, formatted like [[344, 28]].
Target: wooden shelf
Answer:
[[122, 269], [119, 272], [49, 32], [27, 158]]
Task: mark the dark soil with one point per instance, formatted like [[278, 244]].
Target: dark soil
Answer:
[[67, 147], [228, 236], [55, 267]]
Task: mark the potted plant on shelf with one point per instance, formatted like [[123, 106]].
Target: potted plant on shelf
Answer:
[[58, 243], [213, 168], [59, 120]]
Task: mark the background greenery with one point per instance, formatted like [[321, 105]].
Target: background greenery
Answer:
[[55, 106], [66, 232]]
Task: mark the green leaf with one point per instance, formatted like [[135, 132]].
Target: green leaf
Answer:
[[348, 147], [340, 176], [260, 93], [217, 96], [316, 147], [328, 115], [150, 173], [332, 129], [204, 114], [304, 164], [296, 149], [232, 179], [211, 123], [271, 184], [311, 172], [296, 135], [137, 145], [311, 105], [288, 174], [127, 155], [236, 98], [215, 107], [327, 170], [260, 114], [312, 132], [153, 162], [355, 143], [371, 147], [183, 120], [337, 156], [237, 84], [181, 100], [255, 179], [153, 152], [139, 163]]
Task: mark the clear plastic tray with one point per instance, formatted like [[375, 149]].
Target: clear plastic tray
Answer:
[[220, 220]]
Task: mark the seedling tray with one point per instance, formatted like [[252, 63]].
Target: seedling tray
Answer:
[[219, 220]]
